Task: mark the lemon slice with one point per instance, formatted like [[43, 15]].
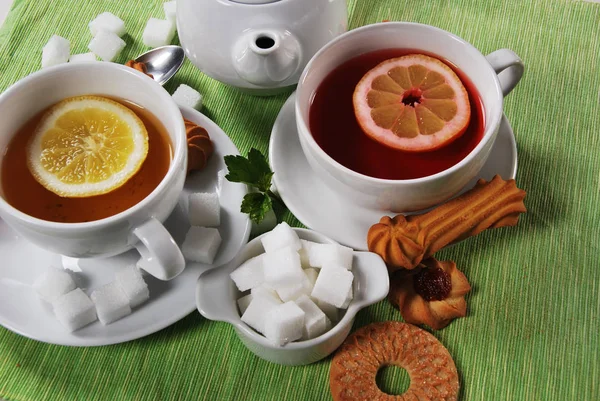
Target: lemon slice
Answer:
[[86, 146]]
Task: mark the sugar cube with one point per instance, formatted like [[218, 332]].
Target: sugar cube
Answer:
[[331, 311], [106, 45], [315, 321], [56, 51], [82, 57], [107, 22], [257, 311], [265, 290], [243, 303], [158, 32], [333, 285], [284, 323], [282, 267], [201, 244], [187, 96], [74, 309], [323, 255], [348, 299], [204, 209], [133, 285], [311, 274], [53, 283], [266, 224], [304, 253], [170, 8], [250, 274], [280, 237], [291, 292], [111, 302]]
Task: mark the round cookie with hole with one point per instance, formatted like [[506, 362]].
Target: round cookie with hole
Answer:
[[356, 364]]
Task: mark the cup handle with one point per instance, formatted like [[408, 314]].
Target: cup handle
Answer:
[[160, 255], [509, 67]]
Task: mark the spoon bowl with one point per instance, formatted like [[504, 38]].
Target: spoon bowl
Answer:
[[163, 62]]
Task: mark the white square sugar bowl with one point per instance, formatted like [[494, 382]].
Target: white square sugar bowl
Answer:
[[216, 299]]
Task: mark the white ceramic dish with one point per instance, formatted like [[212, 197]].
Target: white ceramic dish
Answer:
[[216, 296], [322, 209], [22, 262]]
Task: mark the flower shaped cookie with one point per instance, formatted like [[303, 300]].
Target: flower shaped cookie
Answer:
[[432, 294]]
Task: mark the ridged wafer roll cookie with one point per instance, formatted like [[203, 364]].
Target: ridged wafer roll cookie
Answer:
[[497, 203]]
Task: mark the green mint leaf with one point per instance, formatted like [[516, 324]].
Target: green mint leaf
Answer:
[[253, 170], [239, 170], [259, 162], [256, 205]]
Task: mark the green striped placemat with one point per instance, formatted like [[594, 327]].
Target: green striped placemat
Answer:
[[532, 326]]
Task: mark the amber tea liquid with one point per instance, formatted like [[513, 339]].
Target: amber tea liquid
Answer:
[[24, 193]]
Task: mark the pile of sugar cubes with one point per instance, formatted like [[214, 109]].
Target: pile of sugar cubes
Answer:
[[106, 43], [203, 239], [74, 309], [297, 287], [107, 30], [160, 32]]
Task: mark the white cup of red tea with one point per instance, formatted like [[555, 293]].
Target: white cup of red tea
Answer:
[[370, 173], [108, 224]]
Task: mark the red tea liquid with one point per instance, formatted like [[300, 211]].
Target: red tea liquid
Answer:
[[335, 129]]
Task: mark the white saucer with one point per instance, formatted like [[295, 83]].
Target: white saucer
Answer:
[[23, 312], [322, 210]]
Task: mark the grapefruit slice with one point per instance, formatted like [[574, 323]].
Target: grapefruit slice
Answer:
[[86, 146], [413, 103]]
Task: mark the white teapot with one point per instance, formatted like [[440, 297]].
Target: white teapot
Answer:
[[260, 46]]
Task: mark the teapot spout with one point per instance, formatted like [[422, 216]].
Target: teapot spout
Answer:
[[266, 57]]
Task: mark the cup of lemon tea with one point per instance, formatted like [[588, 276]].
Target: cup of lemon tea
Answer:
[[400, 116], [94, 162]]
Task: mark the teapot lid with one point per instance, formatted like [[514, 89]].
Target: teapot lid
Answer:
[[254, 1]]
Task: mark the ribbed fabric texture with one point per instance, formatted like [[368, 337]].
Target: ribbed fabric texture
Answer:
[[533, 315]]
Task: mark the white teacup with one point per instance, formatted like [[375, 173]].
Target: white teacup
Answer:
[[139, 226], [494, 76]]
